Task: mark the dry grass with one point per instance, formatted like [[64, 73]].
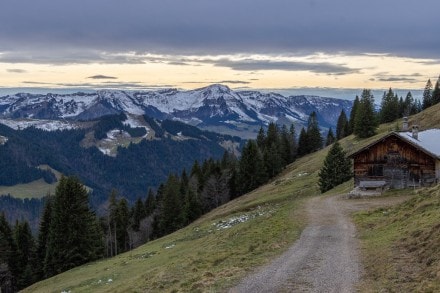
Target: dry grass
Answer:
[[401, 245]]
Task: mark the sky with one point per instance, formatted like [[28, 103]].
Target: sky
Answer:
[[280, 45]]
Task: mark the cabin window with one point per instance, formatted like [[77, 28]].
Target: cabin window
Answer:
[[375, 170]]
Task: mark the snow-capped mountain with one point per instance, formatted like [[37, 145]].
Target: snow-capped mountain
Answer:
[[213, 107]]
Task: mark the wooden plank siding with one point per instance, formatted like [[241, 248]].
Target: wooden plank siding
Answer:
[[395, 161]]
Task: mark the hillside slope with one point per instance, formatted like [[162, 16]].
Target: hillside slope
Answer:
[[401, 245], [223, 246], [214, 252]]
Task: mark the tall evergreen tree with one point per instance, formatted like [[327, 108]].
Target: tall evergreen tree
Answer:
[[75, 236], [303, 144], [25, 257], [336, 168], [139, 213], [389, 107], [342, 126], [314, 137], [427, 95], [365, 121], [285, 146], [293, 143], [353, 112], [150, 202], [43, 235], [252, 172], [7, 257], [171, 212], [409, 106], [261, 138], [436, 92], [330, 137]]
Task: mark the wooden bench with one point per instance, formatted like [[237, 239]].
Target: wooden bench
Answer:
[[372, 185]]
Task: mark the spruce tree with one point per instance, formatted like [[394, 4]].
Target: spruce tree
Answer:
[[75, 236], [336, 168], [314, 137], [171, 212], [8, 269], [365, 121], [25, 257], [342, 126], [285, 146], [409, 107], [330, 137], [303, 144], [389, 107], [436, 92], [353, 112], [150, 202], [139, 213], [293, 143], [252, 172], [427, 95], [43, 235]]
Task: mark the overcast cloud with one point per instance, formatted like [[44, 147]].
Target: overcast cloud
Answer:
[[89, 31]]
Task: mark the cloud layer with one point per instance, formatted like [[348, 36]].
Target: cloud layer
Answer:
[[48, 31]]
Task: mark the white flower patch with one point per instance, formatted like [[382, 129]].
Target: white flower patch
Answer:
[[302, 174], [170, 246], [226, 224]]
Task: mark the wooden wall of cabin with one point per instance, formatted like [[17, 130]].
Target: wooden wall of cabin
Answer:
[[395, 161]]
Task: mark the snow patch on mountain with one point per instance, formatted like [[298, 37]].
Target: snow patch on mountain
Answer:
[[48, 125]]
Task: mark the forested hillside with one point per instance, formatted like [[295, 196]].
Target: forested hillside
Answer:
[[132, 170]]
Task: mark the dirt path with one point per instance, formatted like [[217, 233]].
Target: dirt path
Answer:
[[325, 258]]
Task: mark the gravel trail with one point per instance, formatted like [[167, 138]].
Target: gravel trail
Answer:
[[324, 259]]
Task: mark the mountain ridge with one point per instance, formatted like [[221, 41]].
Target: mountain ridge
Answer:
[[207, 108]]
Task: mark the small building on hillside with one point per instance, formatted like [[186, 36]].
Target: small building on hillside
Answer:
[[399, 160]]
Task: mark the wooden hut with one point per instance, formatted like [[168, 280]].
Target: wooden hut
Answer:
[[399, 160]]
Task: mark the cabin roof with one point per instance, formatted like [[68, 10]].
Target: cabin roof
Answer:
[[428, 141]]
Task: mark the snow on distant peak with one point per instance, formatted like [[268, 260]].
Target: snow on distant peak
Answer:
[[48, 125]]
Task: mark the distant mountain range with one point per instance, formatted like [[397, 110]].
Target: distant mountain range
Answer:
[[216, 108]]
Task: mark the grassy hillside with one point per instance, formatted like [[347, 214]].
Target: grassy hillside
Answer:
[[212, 253], [223, 246], [401, 245]]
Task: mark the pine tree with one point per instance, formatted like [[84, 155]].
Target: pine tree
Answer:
[[43, 235], [330, 137], [389, 107], [285, 146], [427, 95], [252, 172], [314, 137], [261, 138], [336, 168], [353, 112], [75, 236], [193, 208], [303, 144], [342, 126], [150, 202], [293, 143], [25, 257], [436, 92], [122, 225], [7, 257], [365, 121], [171, 212], [409, 106], [139, 213]]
